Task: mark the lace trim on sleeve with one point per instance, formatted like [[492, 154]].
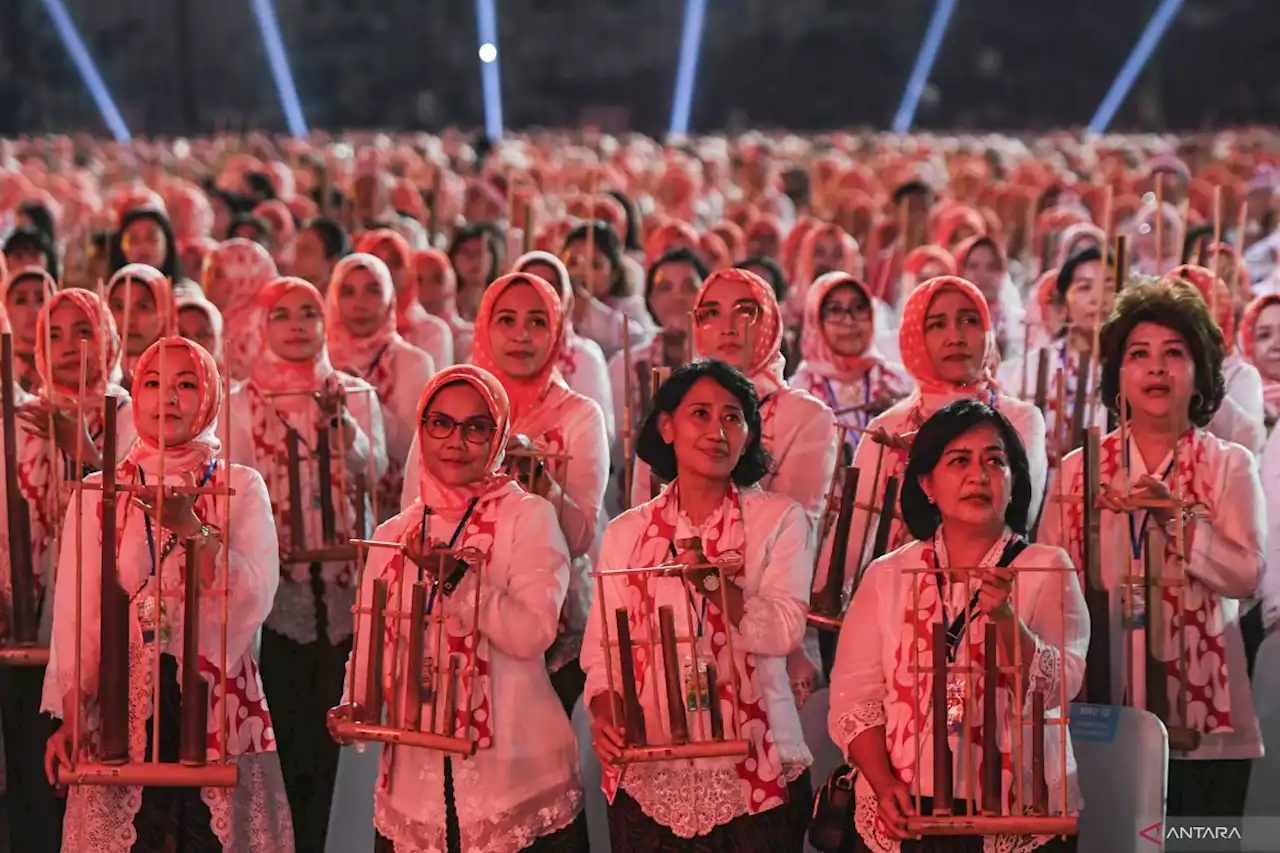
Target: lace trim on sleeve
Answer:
[[861, 716], [1044, 673]]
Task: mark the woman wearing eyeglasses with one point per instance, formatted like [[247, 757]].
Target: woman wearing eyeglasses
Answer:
[[521, 790], [738, 321], [294, 389], [948, 348], [519, 335], [705, 436]]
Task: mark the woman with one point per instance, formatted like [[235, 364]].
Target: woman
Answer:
[[254, 815], [738, 321], [517, 792], [419, 328], [520, 332], [361, 329], [967, 501], [1242, 418], [671, 286], [842, 366], [603, 297], [146, 237], [476, 257], [1260, 345], [982, 261], [233, 275], [1163, 352], [200, 321], [320, 245], [1085, 290], [825, 248], [581, 364], [294, 389], [142, 304], [24, 293], [947, 345], [705, 436], [438, 295]]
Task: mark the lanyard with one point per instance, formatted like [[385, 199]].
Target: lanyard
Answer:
[[146, 519], [700, 613], [453, 540], [1138, 533], [957, 626], [376, 360]]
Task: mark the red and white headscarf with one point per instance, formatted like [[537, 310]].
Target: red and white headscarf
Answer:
[[1248, 334], [805, 272], [1073, 234], [921, 256], [196, 302], [273, 374], [449, 500], [817, 353], [161, 293], [346, 350], [524, 394], [103, 351], [234, 274], [195, 453], [915, 355], [1216, 295], [563, 286], [767, 361], [23, 365]]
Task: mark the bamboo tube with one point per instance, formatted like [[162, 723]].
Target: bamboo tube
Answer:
[[1159, 223], [293, 447], [24, 615], [884, 528], [633, 712], [410, 716], [194, 726], [377, 645], [991, 763], [671, 670], [943, 796], [113, 668]]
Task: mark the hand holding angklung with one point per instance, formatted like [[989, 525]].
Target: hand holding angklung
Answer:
[[431, 558], [68, 433], [57, 753], [880, 435], [345, 713], [993, 595], [177, 515]]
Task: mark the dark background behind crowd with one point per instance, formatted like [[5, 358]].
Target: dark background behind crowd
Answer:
[[183, 66]]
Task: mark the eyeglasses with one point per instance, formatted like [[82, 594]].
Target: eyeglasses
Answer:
[[746, 313], [477, 430], [849, 313]]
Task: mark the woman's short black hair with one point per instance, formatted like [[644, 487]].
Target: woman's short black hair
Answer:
[[478, 231], [171, 268], [776, 278], [256, 222], [608, 242], [661, 457], [1178, 306], [40, 218], [33, 240], [631, 239], [947, 424], [333, 237], [1067, 274], [683, 255]]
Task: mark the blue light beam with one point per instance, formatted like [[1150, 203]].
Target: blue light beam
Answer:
[[88, 71], [924, 65], [490, 79], [265, 12], [1133, 66], [695, 13]]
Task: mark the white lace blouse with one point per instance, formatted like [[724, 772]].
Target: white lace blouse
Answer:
[[1049, 603]]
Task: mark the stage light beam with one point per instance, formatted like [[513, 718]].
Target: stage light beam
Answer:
[[924, 65], [88, 71], [490, 78], [265, 12], [695, 13], [1147, 43]]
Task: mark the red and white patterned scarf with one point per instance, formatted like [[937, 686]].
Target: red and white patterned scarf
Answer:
[[764, 783], [1208, 694]]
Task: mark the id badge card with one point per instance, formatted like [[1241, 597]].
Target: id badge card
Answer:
[[697, 691], [427, 678], [955, 705], [1134, 601]]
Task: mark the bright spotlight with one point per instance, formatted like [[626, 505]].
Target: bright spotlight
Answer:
[[88, 71], [488, 53]]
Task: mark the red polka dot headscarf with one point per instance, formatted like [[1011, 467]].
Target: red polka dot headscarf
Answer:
[[915, 356]]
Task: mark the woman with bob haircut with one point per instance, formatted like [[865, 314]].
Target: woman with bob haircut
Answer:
[[704, 434], [1163, 348], [967, 500]]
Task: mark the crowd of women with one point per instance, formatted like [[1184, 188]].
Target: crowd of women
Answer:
[[578, 355]]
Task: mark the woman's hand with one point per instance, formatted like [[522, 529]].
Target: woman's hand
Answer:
[[993, 595], [1145, 489], [895, 806], [69, 435], [177, 515], [334, 413], [892, 440], [57, 753], [527, 470], [432, 559], [347, 712], [607, 740]]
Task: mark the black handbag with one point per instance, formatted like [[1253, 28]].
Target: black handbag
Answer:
[[832, 820]]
